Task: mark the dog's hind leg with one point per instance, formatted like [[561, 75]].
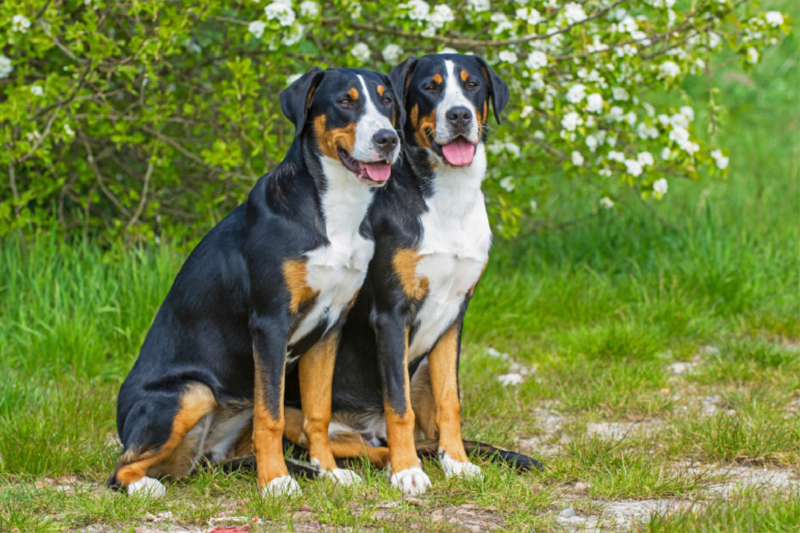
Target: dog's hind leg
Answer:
[[155, 439]]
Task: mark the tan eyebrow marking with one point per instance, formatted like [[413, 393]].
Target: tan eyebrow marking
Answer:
[[381, 89], [437, 79], [353, 93], [464, 75]]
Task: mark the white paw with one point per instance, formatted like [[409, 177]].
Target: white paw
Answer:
[[411, 481], [452, 467], [147, 486], [341, 475], [282, 486]]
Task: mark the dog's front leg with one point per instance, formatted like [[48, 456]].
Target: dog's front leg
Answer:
[[406, 473], [443, 367], [269, 353], [316, 379]]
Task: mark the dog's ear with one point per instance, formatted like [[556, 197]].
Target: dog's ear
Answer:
[[399, 106], [400, 76], [296, 98], [498, 88]]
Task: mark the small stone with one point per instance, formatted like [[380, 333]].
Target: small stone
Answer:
[[305, 507], [475, 529], [580, 487], [569, 512], [412, 500]]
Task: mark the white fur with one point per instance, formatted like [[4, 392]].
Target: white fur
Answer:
[[455, 248], [451, 467], [224, 434], [281, 486], [453, 97], [368, 125], [341, 476], [148, 487], [373, 433], [411, 481], [338, 270]]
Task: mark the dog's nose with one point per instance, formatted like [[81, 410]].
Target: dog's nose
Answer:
[[386, 140], [460, 117]]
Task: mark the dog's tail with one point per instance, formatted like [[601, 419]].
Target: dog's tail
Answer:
[[429, 449]]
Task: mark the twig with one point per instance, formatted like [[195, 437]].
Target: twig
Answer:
[[42, 136], [99, 177], [143, 199], [13, 187]]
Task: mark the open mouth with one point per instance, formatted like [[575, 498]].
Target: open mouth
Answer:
[[458, 152], [370, 173]]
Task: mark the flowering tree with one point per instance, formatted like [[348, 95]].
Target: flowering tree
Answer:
[[157, 115]]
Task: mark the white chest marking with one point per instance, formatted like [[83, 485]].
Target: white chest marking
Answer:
[[455, 248], [337, 270]]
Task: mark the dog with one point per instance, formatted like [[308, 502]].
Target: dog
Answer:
[[432, 240], [266, 289]]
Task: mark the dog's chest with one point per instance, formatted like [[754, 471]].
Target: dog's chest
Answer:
[[454, 252]]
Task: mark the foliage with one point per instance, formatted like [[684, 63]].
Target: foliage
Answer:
[[155, 116]]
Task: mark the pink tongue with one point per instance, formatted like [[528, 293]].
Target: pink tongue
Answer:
[[378, 171], [459, 152]]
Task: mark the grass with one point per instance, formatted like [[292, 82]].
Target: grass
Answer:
[[596, 317]]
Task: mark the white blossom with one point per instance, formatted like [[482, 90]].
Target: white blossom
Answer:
[[37, 90], [5, 66], [20, 23], [633, 167], [605, 172], [419, 9], [774, 18], [441, 15], [507, 184], [502, 23], [591, 143], [645, 159], [392, 53], [606, 202], [680, 120], [594, 103], [361, 52], [283, 12], [619, 93], [309, 9], [669, 69], [660, 186], [510, 379], [526, 111], [536, 60], [577, 158], [687, 112], [630, 118], [295, 35], [448, 50], [576, 93], [508, 56], [646, 132], [616, 156], [529, 15], [293, 78], [68, 130], [571, 121], [666, 153], [615, 113], [257, 28], [573, 13], [480, 5], [752, 56], [719, 159], [534, 206]]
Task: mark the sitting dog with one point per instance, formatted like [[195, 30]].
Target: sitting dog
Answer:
[[432, 241], [265, 289]]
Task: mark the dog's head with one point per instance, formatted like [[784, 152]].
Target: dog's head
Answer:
[[345, 117], [447, 98]]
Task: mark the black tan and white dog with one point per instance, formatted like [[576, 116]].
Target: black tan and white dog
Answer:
[[266, 289], [432, 241]]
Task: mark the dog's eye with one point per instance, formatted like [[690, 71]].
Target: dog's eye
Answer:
[[472, 84], [345, 103], [387, 101], [429, 88]]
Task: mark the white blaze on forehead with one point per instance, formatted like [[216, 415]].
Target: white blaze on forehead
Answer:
[[368, 125], [453, 97]]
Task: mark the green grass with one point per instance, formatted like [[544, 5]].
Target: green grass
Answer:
[[599, 314]]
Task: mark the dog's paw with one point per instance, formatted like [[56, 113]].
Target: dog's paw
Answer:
[[452, 467], [411, 481], [281, 486], [147, 486], [342, 476]]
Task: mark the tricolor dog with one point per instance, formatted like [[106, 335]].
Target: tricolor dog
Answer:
[[267, 289], [432, 241]]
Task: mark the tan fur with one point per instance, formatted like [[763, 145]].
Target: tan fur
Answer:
[[423, 403], [444, 380], [316, 381], [437, 79], [423, 127], [175, 456], [464, 75], [353, 93], [267, 431], [405, 264], [294, 275], [331, 140], [400, 428], [381, 90]]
